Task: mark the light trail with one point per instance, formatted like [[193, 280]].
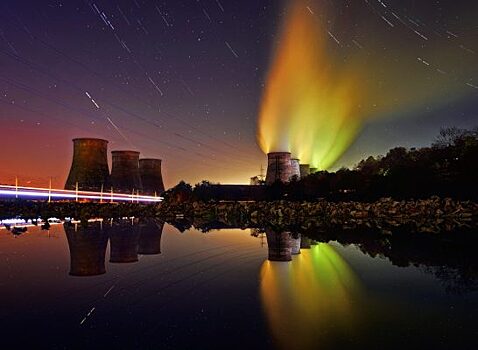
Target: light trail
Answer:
[[38, 192]]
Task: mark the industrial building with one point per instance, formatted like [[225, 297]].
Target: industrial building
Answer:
[[125, 175], [90, 171], [151, 176], [281, 167], [304, 170], [294, 169], [278, 167]]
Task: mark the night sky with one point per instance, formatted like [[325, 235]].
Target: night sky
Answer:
[[183, 80]]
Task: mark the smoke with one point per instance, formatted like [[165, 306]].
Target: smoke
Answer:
[[341, 65]]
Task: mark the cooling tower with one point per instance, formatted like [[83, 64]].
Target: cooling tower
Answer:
[[294, 169], [304, 170], [124, 242], [305, 243], [87, 249], [150, 236], [278, 167], [125, 175], [295, 244], [151, 178], [313, 170], [278, 245], [89, 167]]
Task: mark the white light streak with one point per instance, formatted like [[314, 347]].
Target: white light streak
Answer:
[[472, 85], [220, 5], [452, 34], [423, 61], [334, 38], [420, 35], [92, 100], [33, 192], [231, 49], [387, 21]]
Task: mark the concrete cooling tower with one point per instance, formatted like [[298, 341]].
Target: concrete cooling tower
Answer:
[[151, 177], [294, 169], [278, 167], [125, 175], [304, 170], [89, 167]]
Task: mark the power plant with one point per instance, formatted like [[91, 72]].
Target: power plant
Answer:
[[151, 177], [278, 167], [125, 175], [89, 169], [281, 167], [294, 169], [304, 170], [90, 172]]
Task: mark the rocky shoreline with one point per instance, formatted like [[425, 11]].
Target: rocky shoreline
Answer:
[[385, 216], [77, 210]]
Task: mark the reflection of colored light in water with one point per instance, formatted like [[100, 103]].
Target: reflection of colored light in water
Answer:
[[311, 299]]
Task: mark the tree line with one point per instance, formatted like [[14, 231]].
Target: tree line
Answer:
[[447, 168]]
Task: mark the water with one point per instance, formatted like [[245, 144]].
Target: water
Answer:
[[147, 286]]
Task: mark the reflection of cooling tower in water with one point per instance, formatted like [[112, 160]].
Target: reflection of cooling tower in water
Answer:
[[278, 167], [304, 170], [304, 242], [294, 169], [151, 177], [150, 236], [295, 244], [124, 241], [89, 167], [279, 246], [315, 299], [87, 249], [125, 171]]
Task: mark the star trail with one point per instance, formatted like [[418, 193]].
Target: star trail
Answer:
[[184, 80]]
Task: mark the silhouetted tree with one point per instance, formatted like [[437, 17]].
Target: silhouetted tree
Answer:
[[447, 168]]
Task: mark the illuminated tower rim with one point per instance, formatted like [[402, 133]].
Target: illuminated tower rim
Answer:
[[273, 153], [89, 139], [150, 159], [125, 152]]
